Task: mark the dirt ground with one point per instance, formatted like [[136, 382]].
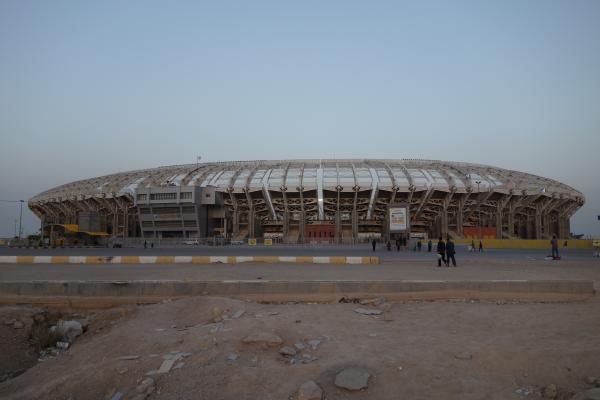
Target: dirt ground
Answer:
[[429, 350]]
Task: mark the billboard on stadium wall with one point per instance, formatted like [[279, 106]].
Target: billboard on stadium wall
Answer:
[[399, 218]]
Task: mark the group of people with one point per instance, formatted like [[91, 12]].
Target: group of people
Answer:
[[446, 251]]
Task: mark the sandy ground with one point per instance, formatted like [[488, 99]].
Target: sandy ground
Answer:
[[516, 349]]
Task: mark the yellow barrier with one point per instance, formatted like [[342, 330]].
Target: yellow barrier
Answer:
[[521, 243]]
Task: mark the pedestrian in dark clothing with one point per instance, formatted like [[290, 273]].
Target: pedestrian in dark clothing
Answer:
[[419, 245], [441, 250], [450, 253], [388, 245], [480, 246], [429, 245], [152, 245], [398, 244], [145, 244], [554, 244], [374, 244]]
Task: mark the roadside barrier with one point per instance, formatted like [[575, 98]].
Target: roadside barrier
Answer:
[[184, 260]]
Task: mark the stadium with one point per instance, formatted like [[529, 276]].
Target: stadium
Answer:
[[298, 201]]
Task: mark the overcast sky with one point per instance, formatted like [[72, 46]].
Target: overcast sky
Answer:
[[92, 88]]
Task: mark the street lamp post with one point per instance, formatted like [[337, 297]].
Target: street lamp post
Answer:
[[479, 207], [20, 215], [21, 219]]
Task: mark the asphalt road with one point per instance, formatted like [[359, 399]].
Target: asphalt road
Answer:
[[470, 268], [301, 250]]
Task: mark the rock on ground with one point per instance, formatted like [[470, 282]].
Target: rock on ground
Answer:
[[287, 351], [353, 378], [269, 339], [310, 391]]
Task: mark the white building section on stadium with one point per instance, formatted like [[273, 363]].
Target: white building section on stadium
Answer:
[[290, 199]]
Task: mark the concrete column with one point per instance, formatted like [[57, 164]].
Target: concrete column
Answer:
[[444, 221], [251, 222], [538, 222], [499, 218], [338, 219], [459, 217]]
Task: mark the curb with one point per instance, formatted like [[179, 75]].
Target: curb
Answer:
[[184, 260], [133, 292]]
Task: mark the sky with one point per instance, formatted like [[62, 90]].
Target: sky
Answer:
[[93, 88]]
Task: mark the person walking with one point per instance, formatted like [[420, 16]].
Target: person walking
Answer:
[[554, 244], [472, 246], [429, 245], [374, 244], [480, 246], [145, 244], [397, 244], [450, 251], [419, 244], [441, 250]]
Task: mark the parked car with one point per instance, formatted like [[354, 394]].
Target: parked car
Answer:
[[192, 242]]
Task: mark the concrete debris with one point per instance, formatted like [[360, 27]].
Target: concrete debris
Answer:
[[310, 391], [232, 357], [123, 371], [117, 396], [179, 365], [238, 314], [591, 394], [463, 355], [353, 378], [265, 338], [68, 330], [18, 325], [146, 387], [127, 358], [367, 311], [273, 313], [160, 329], [62, 345], [524, 391], [287, 351], [299, 346], [314, 343], [166, 366], [550, 392], [308, 358], [379, 301]]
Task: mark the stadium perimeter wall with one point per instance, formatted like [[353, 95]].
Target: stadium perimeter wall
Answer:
[[524, 243]]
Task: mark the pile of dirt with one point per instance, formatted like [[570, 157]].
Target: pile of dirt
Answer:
[[220, 348]]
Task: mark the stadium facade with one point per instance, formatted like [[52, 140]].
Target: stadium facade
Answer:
[[313, 200]]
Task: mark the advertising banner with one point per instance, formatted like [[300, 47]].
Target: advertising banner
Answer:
[[399, 219]]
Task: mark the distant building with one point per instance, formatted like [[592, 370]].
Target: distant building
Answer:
[[314, 200]]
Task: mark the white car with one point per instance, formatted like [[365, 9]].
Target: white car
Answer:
[[192, 242]]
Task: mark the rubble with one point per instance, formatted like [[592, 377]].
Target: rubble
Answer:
[[287, 351], [368, 311]]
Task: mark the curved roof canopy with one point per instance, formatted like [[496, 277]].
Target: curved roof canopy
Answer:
[[346, 175]]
